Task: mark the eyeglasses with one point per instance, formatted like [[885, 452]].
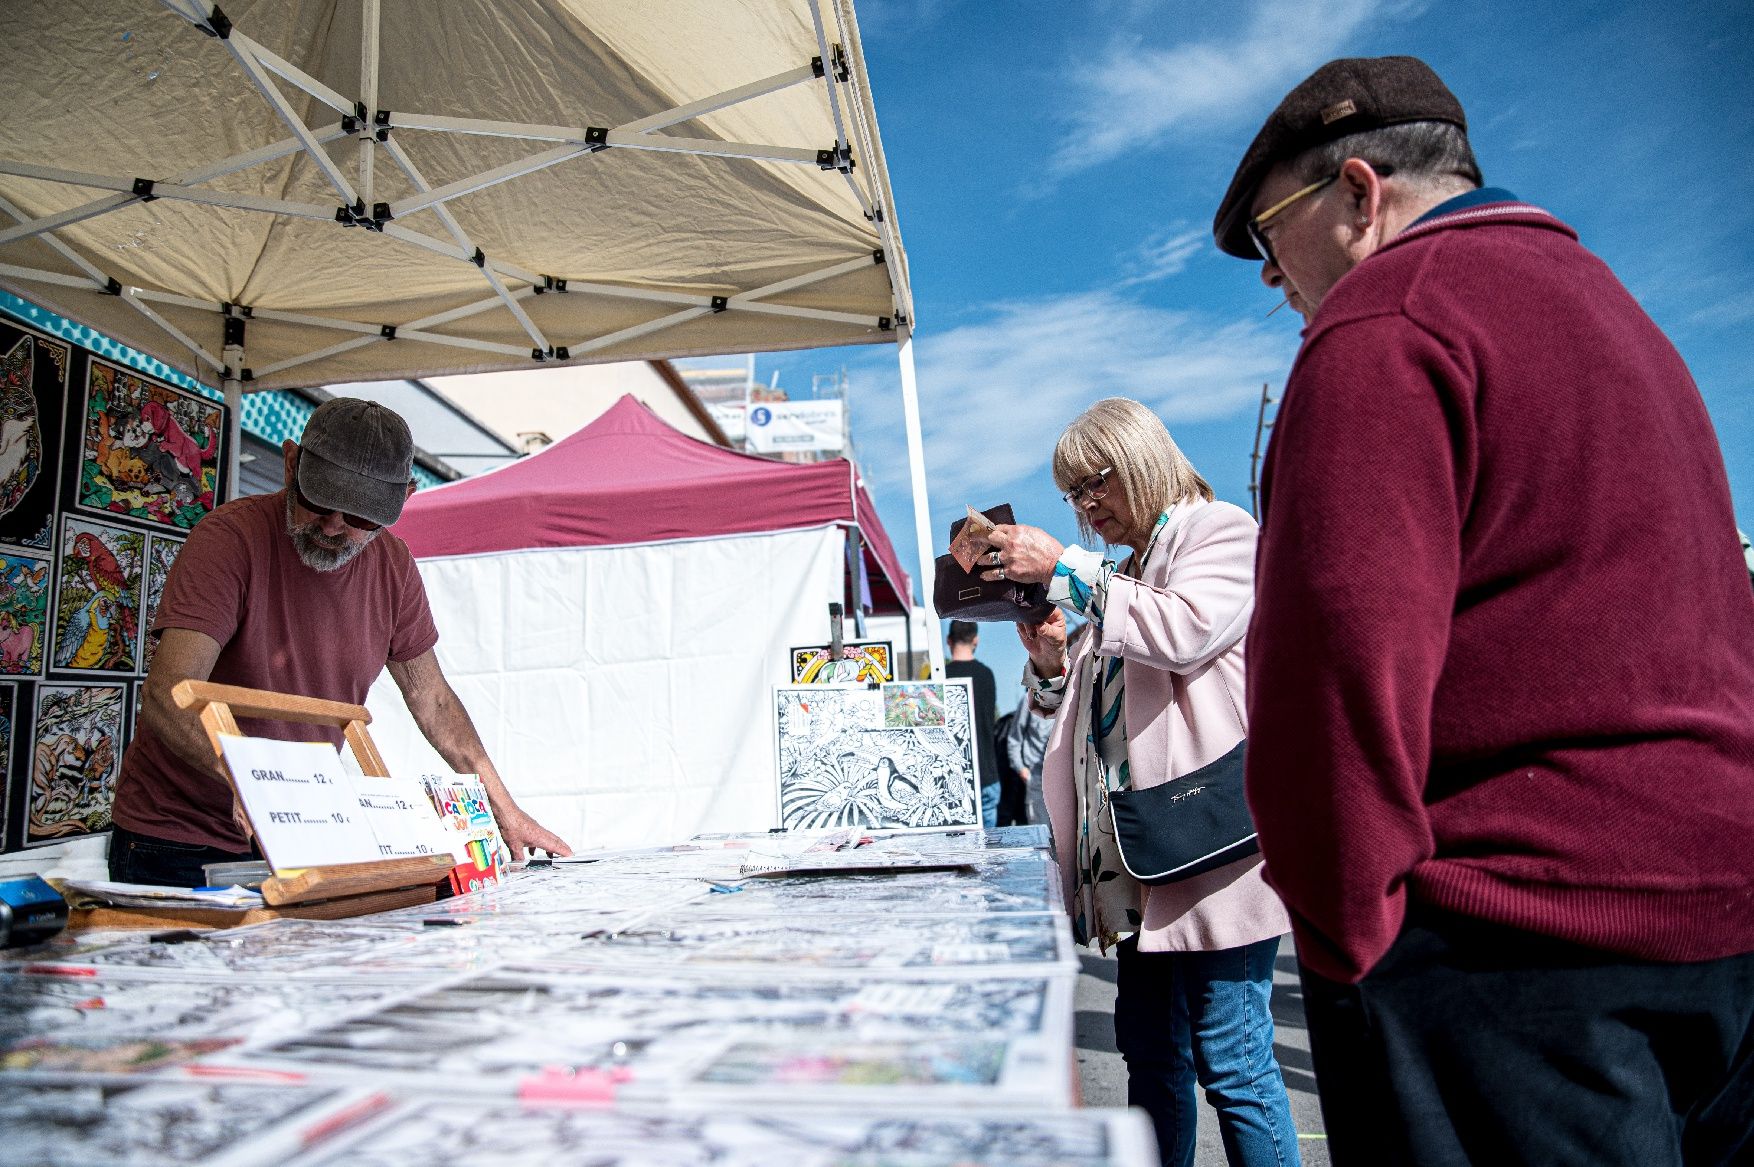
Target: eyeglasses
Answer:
[[1088, 490], [354, 521], [1257, 226]]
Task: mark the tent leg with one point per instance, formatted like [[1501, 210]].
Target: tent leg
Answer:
[[916, 464], [233, 355]]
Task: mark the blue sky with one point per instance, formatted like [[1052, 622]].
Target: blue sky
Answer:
[[1056, 167]]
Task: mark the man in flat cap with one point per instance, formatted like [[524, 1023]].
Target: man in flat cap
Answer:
[[301, 591], [1501, 665]]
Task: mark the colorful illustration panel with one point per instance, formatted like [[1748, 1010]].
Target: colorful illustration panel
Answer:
[[97, 602], [8, 735], [901, 755], [78, 755], [160, 554], [863, 661], [33, 391], [150, 452], [24, 614]]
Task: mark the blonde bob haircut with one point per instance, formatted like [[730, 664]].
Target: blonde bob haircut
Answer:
[[1119, 432]]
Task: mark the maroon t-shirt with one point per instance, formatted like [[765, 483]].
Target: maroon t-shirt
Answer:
[[281, 626]]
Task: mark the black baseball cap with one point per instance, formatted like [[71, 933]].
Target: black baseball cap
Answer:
[[356, 456]]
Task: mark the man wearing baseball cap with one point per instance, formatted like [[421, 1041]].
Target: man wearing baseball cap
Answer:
[[1501, 665], [302, 591]]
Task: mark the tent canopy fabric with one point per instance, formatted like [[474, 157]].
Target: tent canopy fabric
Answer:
[[399, 188], [628, 478]]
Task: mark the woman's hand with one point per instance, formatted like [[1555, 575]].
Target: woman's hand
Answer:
[[1046, 644], [1025, 554]]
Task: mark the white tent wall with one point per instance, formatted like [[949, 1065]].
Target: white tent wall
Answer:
[[624, 693]]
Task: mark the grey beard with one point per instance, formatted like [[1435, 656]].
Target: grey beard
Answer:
[[314, 549]]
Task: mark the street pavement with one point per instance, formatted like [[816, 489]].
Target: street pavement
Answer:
[[1103, 1076]]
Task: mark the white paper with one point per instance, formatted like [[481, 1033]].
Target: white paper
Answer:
[[401, 817], [300, 802]]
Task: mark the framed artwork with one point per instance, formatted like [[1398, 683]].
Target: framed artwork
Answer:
[[24, 614], [160, 554], [891, 755], [9, 729], [78, 755], [97, 598], [33, 394], [861, 661], [149, 452]]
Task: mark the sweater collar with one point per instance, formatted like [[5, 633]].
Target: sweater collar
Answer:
[[1474, 198]]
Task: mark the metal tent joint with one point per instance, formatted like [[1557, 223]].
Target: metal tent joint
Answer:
[[112, 287], [549, 284], [479, 259], [143, 189], [839, 157], [230, 374], [234, 330], [381, 120], [597, 137], [877, 255], [218, 24], [841, 70], [721, 303], [387, 331]]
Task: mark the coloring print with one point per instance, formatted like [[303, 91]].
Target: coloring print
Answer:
[[431, 1131], [913, 705], [78, 755], [842, 762], [494, 1030], [126, 1124], [8, 734], [97, 601], [919, 944], [102, 1013], [160, 554], [24, 614], [150, 452], [861, 661], [33, 390]]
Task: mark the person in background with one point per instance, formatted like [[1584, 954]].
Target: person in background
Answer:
[[1013, 796], [1025, 747], [301, 591], [1155, 691], [964, 638], [1501, 665]]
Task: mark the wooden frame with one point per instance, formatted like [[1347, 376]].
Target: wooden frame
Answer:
[[219, 706]]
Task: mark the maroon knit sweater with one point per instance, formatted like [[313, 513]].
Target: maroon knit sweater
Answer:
[[1502, 656]]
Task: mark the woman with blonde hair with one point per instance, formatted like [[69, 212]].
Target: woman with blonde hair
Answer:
[[1154, 691]]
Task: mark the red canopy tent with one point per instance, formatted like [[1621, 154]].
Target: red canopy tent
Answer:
[[630, 478]]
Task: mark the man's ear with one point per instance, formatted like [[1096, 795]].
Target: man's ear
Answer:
[[1363, 190], [289, 455], [412, 487]]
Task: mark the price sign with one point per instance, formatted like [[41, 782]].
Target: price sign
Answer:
[[402, 818], [300, 802]]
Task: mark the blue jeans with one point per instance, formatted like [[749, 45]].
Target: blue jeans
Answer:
[[1187, 1017], [990, 805]]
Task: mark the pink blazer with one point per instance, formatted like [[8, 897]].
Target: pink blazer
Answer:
[[1179, 633]]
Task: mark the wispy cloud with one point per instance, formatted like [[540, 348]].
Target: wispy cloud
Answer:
[[995, 395], [1165, 254], [1135, 93]]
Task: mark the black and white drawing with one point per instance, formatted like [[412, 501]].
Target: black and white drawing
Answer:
[[436, 1132], [892, 755]]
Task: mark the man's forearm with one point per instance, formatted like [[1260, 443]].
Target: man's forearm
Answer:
[[181, 732]]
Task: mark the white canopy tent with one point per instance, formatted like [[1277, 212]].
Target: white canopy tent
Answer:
[[275, 194]]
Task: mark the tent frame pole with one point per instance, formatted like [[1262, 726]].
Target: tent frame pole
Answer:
[[916, 465], [233, 385]]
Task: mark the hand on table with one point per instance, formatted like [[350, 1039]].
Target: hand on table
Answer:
[[523, 833]]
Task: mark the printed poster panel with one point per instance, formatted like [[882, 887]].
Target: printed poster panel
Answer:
[[8, 734], [24, 614], [160, 554], [78, 755], [898, 755], [97, 600], [150, 452], [861, 661], [33, 390]]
